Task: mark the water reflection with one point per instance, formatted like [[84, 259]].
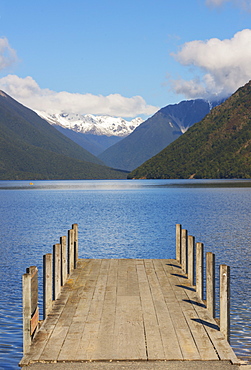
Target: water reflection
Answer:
[[122, 184]]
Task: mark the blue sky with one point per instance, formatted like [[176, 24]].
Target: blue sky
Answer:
[[123, 57]]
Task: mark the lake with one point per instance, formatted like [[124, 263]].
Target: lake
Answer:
[[118, 219]]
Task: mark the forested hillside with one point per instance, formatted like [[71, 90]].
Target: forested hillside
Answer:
[[217, 147], [30, 148]]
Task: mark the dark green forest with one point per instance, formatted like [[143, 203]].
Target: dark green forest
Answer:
[[217, 147], [30, 148]]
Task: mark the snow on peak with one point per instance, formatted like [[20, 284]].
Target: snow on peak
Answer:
[[90, 124]]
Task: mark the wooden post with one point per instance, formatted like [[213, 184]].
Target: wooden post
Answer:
[[70, 251], [26, 311], [184, 250], [190, 257], [33, 271], [178, 243], [199, 269], [75, 228], [210, 282], [34, 318], [225, 300], [56, 270], [64, 267], [47, 283]]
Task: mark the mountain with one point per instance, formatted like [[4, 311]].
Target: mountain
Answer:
[[31, 148], [90, 124], [94, 133], [155, 134], [95, 144], [217, 147]]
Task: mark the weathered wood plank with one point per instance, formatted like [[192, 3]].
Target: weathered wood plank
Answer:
[[200, 336], [190, 258], [50, 323], [33, 271], [129, 336], [202, 340], [37, 345], [57, 270], [64, 267], [178, 242], [210, 283], [75, 228], [54, 343], [47, 284], [129, 329], [225, 300], [43, 335], [89, 337], [171, 347], [222, 347], [155, 349], [182, 330], [106, 340], [199, 269], [71, 250], [128, 310], [26, 280], [34, 321], [86, 284], [184, 250]]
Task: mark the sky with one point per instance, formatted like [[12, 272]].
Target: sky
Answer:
[[123, 58]]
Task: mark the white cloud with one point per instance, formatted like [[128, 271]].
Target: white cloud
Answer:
[[244, 4], [225, 65], [7, 54], [28, 92]]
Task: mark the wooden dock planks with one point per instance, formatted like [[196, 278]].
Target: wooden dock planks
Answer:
[[128, 309]]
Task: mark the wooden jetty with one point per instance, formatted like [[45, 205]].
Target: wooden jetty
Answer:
[[127, 309]]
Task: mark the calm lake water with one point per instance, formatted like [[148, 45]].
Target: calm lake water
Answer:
[[117, 219]]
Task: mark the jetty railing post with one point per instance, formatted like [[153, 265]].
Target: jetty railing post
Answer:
[[199, 269], [184, 250], [26, 312], [64, 267], [75, 228], [47, 284], [210, 282], [190, 257], [33, 271], [178, 243], [56, 270], [225, 300], [70, 251], [30, 305]]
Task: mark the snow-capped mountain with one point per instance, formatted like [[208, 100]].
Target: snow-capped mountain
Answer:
[[90, 124], [155, 134]]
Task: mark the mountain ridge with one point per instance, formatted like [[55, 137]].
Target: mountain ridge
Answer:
[[93, 133], [91, 124], [95, 144], [31, 148], [154, 134], [219, 146]]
